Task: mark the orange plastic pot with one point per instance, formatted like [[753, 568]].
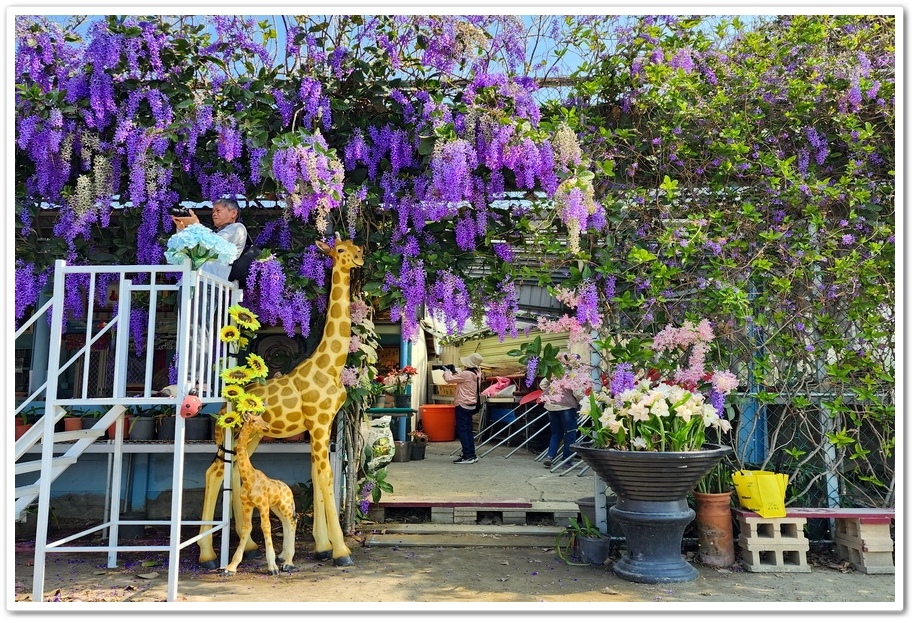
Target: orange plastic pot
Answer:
[[438, 422]]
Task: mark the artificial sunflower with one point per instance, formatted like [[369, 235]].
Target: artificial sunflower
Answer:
[[250, 403], [232, 392], [239, 375], [229, 334], [244, 317], [230, 419], [256, 365]]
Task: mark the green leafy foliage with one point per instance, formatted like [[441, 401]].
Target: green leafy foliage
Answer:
[[745, 167]]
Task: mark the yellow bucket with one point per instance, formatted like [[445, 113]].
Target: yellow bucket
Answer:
[[761, 491]]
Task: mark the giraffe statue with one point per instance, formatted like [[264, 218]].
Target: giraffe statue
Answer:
[[306, 399], [265, 494]]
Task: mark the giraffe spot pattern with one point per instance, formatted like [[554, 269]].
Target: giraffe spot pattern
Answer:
[[336, 348]]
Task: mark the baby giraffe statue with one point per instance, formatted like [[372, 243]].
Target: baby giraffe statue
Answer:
[[267, 494]]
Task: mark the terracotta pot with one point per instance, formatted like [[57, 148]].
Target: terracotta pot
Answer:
[[126, 434], [714, 529], [73, 423], [21, 428]]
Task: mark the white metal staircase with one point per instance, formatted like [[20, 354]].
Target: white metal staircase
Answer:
[[27, 494], [131, 288]]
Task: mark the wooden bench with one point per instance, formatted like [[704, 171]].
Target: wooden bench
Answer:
[[862, 537]]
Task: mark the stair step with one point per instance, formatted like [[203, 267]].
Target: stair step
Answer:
[[26, 467], [395, 502], [76, 435], [26, 490], [427, 528], [446, 535]]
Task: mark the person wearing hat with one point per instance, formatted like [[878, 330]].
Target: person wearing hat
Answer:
[[467, 403]]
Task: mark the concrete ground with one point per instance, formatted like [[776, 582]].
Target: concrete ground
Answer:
[[504, 472], [450, 569]]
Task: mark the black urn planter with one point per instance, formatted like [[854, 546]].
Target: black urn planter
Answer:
[[417, 451], [197, 428], [142, 428], [651, 508], [402, 401]]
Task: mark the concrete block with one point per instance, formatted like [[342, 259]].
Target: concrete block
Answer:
[[465, 515], [776, 528], [868, 546], [772, 557], [515, 517], [442, 514], [561, 518]]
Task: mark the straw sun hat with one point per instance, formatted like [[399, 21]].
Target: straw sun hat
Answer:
[[474, 360]]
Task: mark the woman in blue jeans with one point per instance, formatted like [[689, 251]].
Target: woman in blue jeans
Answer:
[[467, 393], [563, 411]]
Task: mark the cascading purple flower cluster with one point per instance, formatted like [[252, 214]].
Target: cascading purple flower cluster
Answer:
[[622, 379], [305, 168], [29, 284], [449, 301], [311, 177]]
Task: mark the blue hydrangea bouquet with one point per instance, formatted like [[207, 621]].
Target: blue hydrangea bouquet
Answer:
[[200, 245]]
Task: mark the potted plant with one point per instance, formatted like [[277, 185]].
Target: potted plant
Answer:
[[647, 439], [142, 423], [582, 542], [25, 420], [112, 428], [165, 425], [396, 382], [379, 398], [73, 421], [712, 499], [418, 441], [90, 418]]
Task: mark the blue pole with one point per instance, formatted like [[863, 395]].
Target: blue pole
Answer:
[[752, 428], [404, 361]]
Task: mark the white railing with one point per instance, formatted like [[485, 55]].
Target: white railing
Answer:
[[133, 290]]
